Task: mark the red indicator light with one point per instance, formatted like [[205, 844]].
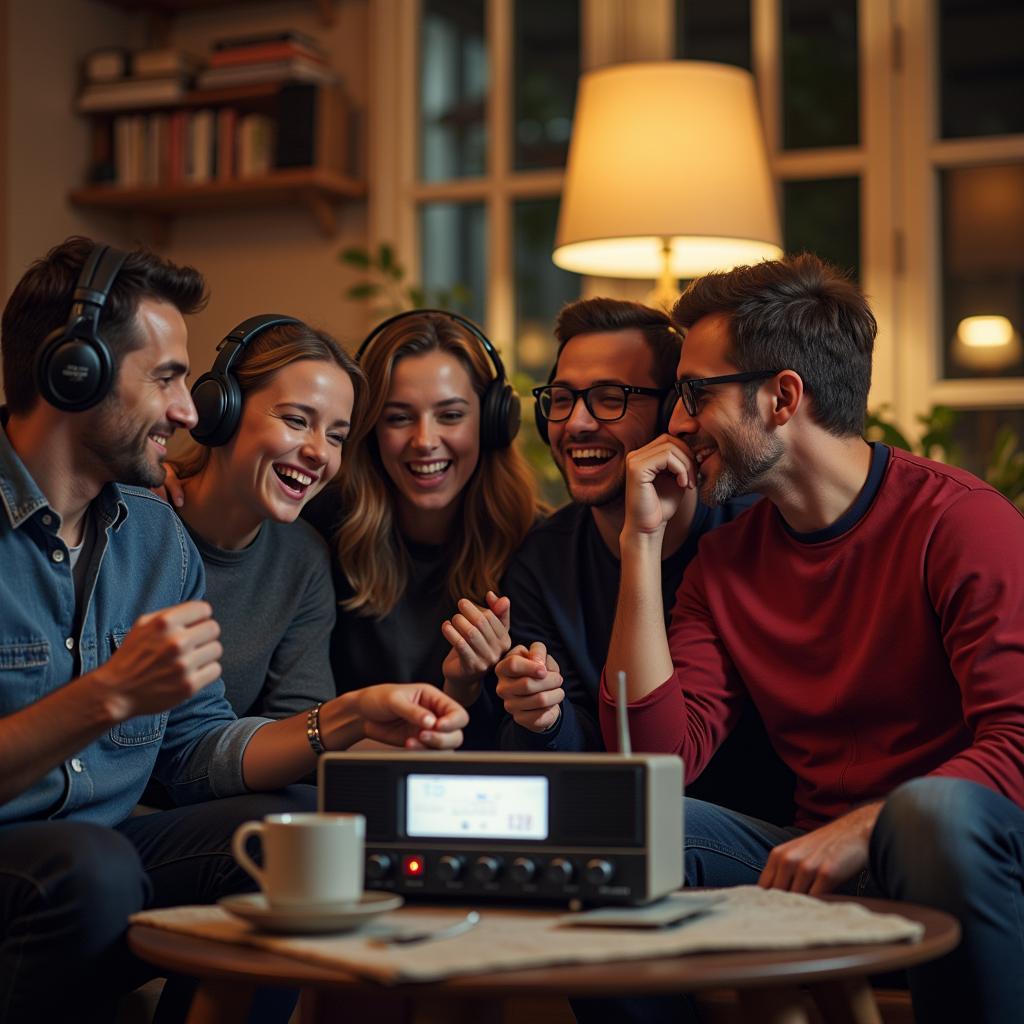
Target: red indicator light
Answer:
[[413, 866]]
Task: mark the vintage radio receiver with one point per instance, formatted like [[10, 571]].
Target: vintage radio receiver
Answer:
[[593, 828]]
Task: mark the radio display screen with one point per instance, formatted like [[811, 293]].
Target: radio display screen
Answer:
[[476, 806]]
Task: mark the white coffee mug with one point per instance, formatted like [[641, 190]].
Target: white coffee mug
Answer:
[[308, 859]]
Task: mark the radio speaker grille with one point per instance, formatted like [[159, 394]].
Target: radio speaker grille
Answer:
[[599, 808], [363, 789]]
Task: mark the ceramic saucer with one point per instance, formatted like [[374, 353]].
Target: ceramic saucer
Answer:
[[313, 919]]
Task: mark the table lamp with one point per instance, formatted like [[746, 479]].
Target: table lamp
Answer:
[[667, 175]]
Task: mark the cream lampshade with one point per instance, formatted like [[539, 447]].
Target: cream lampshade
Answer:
[[667, 175]]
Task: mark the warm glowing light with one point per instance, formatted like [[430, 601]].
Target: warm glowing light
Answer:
[[985, 331], [667, 174], [412, 866]]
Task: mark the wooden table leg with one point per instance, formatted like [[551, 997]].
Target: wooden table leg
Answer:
[[220, 1002], [777, 1005], [846, 1001]]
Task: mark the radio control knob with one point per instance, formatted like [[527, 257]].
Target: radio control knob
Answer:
[[559, 872], [486, 869], [449, 868], [378, 866], [523, 870], [598, 871]]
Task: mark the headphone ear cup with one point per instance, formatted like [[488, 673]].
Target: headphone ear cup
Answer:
[[668, 405], [218, 403], [500, 415], [73, 372]]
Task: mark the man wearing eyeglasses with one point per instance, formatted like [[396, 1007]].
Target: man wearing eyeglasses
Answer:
[[872, 608], [609, 394]]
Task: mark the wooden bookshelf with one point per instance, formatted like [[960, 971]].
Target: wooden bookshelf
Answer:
[[318, 190]]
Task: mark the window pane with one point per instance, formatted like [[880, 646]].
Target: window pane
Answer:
[[541, 290], [981, 67], [453, 89], [976, 434], [547, 64], [714, 30], [453, 257], [824, 217], [819, 73], [983, 270], [541, 287]]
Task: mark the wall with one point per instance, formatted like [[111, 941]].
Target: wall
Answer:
[[255, 261]]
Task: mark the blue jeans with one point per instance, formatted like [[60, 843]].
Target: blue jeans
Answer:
[[940, 842], [67, 889]]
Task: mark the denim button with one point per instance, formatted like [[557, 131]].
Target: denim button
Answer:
[[76, 765], [47, 519], [57, 555], [70, 643]]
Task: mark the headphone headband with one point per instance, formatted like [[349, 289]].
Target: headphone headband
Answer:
[[464, 321]]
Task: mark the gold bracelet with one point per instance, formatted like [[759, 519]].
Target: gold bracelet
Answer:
[[313, 729]]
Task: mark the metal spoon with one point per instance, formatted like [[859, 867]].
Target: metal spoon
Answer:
[[447, 932]]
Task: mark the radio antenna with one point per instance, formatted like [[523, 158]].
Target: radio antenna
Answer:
[[622, 719]]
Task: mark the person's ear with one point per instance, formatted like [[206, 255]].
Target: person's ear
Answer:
[[787, 394]]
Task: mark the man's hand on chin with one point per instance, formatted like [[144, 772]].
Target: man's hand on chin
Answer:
[[822, 860]]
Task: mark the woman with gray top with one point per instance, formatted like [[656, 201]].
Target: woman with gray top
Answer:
[[272, 426]]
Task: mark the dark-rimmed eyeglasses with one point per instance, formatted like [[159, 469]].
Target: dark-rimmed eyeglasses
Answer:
[[689, 389], [605, 402]]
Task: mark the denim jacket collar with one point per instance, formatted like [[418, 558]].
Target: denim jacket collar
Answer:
[[21, 497]]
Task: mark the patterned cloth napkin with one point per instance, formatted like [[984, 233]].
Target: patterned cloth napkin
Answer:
[[747, 918]]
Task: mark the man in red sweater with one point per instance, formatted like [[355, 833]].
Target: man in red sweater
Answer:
[[872, 609]]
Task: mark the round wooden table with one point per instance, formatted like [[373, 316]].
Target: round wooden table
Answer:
[[770, 984]]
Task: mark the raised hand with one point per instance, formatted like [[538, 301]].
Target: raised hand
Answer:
[[657, 475], [530, 687], [168, 656], [479, 637], [412, 715]]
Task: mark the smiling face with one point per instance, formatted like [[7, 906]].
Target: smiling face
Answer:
[[428, 434], [590, 453], [729, 443], [288, 443], [129, 430]]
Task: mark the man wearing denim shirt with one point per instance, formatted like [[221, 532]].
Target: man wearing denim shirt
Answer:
[[109, 666]]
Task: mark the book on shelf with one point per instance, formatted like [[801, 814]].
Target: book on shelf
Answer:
[[262, 52], [182, 147], [312, 127], [131, 92], [294, 69], [106, 65], [166, 62], [287, 35]]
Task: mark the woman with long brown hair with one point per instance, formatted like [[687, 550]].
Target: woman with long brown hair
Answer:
[[432, 503]]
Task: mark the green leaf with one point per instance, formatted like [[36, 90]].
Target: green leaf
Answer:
[[385, 257], [355, 257], [363, 290]]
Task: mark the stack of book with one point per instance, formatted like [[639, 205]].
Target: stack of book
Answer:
[[118, 80], [271, 57]]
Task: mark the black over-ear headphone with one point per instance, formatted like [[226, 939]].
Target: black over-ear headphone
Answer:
[[500, 411], [74, 367], [666, 405], [217, 396]]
